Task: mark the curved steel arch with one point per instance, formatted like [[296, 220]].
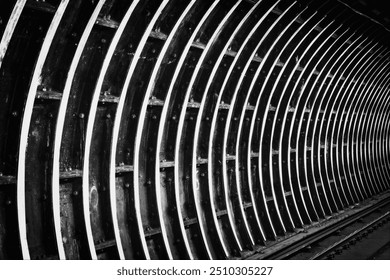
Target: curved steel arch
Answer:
[[185, 129]]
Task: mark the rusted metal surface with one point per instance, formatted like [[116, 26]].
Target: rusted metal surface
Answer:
[[185, 129]]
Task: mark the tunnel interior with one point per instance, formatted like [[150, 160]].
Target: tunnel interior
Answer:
[[186, 129]]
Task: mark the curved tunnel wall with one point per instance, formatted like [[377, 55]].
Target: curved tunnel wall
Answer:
[[185, 129]]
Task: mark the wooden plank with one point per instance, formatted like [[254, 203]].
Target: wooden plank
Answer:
[[104, 245], [41, 6], [7, 180], [107, 22], [46, 94]]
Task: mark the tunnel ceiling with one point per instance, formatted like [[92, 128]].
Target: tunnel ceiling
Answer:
[[185, 129], [377, 10]]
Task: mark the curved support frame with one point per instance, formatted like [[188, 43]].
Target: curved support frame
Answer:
[[237, 237], [229, 119], [21, 189], [229, 208], [195, 187], [325, 74], [339, 95], [350, 110], [305, 102], [240, 126], [261, 65], [59, 132], [117, 122], [140, 127], [263, 121], [278, 109], [162, 123], [333, 207], [368, 152], [236, 123], [89, 135], [9, 29], [347, 113], [319, 101], [375, 128]]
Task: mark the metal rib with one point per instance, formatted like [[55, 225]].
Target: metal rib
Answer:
[[350, 110], [60, 126], [9, 29], [350, 78], [140, 127], [305, 105], [91, 123], [118, 119], [195, 186], [320, 101], [357, 125], [26, 125], [285, 222], [278, 109], [345, 113], [163, 121]]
